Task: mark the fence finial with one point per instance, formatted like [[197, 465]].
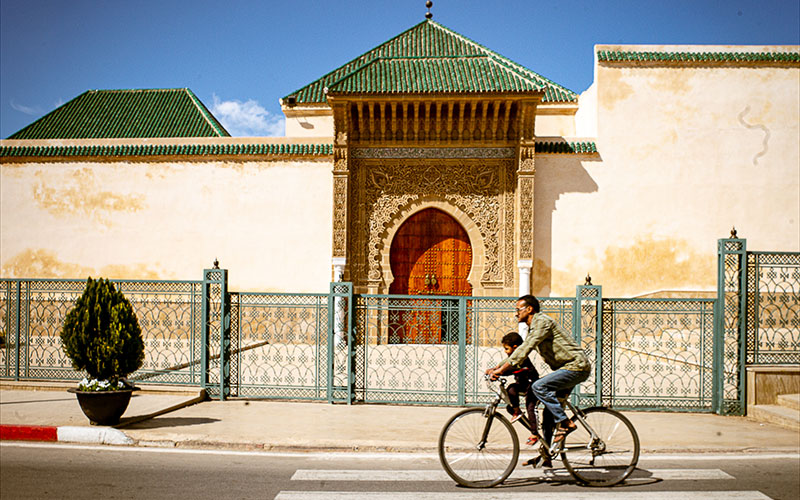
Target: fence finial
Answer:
[[733, 233], [588, 280], [216, 263]]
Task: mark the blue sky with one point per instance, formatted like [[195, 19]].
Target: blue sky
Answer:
[[239, 57]]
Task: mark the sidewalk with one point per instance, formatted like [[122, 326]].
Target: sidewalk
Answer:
[[172, 417]]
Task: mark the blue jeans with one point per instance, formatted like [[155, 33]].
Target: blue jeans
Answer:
[[554, 385]]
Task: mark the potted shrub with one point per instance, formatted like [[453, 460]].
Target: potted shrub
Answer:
[[101, 336]]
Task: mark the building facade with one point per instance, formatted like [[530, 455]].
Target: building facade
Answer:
[[428, 165]]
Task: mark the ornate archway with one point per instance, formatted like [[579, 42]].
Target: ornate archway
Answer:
[[430, 254]]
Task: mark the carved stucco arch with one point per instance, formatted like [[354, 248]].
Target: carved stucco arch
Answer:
[[417, 205]]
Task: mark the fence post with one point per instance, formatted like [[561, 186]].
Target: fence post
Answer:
[[589, 322], [216, 326], [17, 328], [462, 350], [340, 338], [729, 326]]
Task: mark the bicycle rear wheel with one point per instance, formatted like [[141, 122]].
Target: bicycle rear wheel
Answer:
[[470, 460], [606, 457]]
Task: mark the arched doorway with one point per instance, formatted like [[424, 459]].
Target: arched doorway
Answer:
[[430, 255]]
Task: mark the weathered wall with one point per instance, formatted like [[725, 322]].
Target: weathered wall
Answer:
[[686, 153], [268, 222]]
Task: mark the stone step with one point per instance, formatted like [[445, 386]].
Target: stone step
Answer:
[[788, 418], [789, 401]]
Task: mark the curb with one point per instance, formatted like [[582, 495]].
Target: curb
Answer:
[[66, 434]]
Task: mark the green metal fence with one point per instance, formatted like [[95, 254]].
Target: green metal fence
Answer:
[[684, 354], [33, 311], [773, 308]]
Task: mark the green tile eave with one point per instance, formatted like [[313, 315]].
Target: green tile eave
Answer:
[[430, 36], [698, 57], [125, 114], [156, 150], [237, 150], [562, 147]]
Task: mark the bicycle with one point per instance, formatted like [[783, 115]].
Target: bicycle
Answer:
[[479, 448]]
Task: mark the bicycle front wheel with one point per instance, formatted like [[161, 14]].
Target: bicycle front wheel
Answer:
[[604, 454], [478, 451]]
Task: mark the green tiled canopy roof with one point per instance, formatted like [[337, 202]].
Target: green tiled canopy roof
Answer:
[[123, 114], [430, 58]]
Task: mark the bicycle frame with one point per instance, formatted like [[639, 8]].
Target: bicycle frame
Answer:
[[551, 450]]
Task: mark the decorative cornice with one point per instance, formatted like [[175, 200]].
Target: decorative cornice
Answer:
[[383, 153], [118, 150]]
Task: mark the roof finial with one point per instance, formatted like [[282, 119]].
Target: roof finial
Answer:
[[428, 14]]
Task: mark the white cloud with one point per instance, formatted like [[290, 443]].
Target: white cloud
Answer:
[[247, 119], [25, 109]]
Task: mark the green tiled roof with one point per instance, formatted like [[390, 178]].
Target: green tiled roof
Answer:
[[694, 57], [169, 150], [118, 114], [431, 58]]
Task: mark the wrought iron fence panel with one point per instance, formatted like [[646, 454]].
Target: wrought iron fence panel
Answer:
[[279, 346], [169, 314], [406, 349], [8, 294], [658, 353], [773, 308], [34, 310], [489, 319]]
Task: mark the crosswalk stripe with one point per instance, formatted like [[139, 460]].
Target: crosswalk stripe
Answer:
[[440, 475], [517, 495]]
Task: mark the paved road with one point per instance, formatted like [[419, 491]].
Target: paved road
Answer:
[[62, 471]]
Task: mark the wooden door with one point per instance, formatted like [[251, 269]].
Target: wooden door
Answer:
[[430, 255]]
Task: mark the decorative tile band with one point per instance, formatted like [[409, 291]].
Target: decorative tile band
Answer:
[[381, 153], [170, 150]]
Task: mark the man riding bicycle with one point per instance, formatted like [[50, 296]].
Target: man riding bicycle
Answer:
[[560, 352]]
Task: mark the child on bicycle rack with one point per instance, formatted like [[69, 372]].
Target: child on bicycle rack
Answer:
[[524, 376]]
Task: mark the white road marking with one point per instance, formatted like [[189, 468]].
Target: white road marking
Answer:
[[321, 455], [517, 495], [440, 475]]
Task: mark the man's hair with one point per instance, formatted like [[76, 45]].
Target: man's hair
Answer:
[[511, 339], [530, 300]]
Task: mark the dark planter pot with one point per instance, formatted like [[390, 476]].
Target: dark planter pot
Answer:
[[103, 407]]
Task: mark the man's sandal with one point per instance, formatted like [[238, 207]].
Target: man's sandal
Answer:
[[563, 430], [532, 440]]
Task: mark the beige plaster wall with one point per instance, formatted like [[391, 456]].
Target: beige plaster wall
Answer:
[[555, 119], [309, 121], [686, 153], [268, 222]]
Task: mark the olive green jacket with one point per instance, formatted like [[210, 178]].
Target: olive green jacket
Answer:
[[554, 345]]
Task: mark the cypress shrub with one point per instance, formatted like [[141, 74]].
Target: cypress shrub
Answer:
[[101, 334]]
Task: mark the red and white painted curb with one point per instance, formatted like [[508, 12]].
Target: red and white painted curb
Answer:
[[67, 434]]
